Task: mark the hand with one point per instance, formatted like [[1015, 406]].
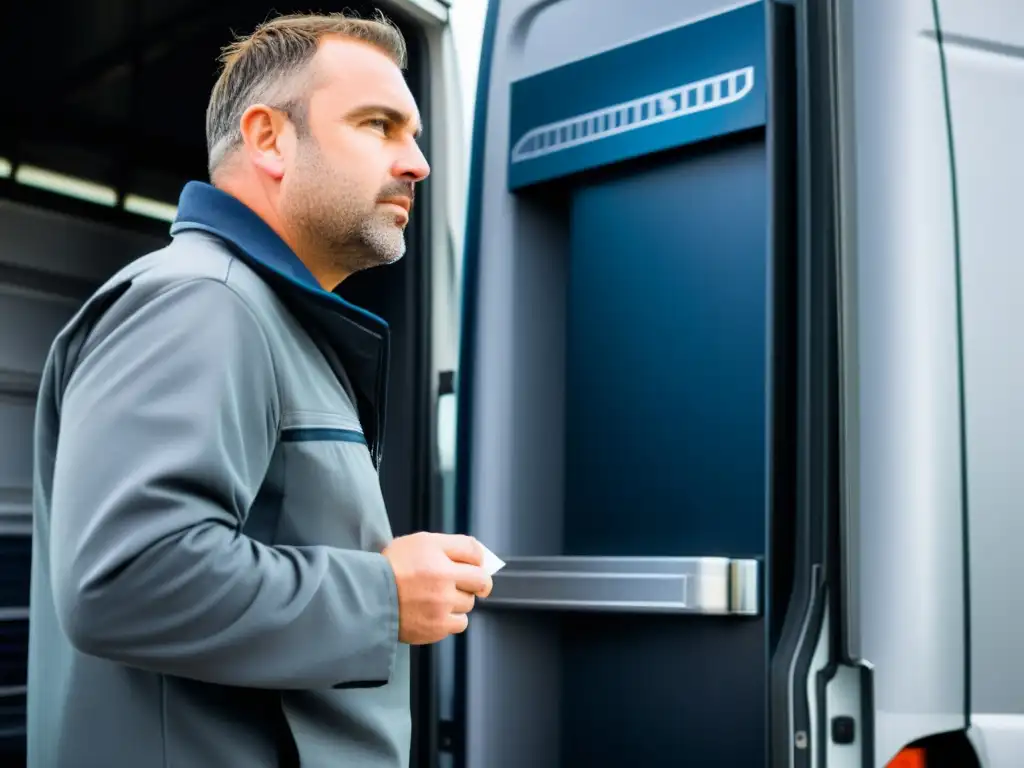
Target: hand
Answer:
[[438, 577]]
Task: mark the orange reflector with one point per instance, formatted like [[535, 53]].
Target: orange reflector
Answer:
[[911, 757]]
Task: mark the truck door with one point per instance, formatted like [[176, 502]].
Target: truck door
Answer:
[[626, 401], [728, 500]]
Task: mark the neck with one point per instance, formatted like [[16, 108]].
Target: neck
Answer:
[[256, 197]]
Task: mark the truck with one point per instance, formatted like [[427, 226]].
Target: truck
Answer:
[[711, 340]]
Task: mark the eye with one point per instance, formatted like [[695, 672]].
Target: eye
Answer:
[[380, 124]]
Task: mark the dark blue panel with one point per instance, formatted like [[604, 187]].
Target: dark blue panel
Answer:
[[677, 87], [663, 691], [666, 358]]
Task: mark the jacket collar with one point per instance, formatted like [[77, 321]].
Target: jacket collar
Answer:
[[206, 208]]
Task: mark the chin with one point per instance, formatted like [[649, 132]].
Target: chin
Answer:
[[384, 248], [388, 243], [395, 256]]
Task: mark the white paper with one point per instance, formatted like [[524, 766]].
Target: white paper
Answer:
[[492, 563]]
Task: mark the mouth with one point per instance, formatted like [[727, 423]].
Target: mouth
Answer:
[[399, 202]]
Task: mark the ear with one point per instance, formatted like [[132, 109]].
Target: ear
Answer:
[[262, 133]]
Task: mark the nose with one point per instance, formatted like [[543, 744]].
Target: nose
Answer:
[[411, 164]]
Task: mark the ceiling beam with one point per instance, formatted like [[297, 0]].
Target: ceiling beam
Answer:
[[113, 217]]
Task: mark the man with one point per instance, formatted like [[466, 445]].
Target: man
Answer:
[[215, 582]]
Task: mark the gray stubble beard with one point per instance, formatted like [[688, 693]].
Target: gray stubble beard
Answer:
[[353, 240]]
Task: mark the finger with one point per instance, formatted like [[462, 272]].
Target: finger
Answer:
[[488, 586], [470, 578], [462, 549], [457, 623], [463, 602]]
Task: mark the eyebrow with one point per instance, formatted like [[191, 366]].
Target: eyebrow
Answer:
[[392, 114]]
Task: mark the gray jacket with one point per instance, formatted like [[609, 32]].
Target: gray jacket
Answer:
[[207, 586]]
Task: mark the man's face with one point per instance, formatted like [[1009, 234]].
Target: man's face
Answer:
[[350, 185]]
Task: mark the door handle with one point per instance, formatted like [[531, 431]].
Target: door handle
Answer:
[[714, 586]]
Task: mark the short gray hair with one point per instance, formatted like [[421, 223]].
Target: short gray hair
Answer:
[[268, 67]]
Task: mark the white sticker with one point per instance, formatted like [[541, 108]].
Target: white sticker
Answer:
[[492, 563]]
